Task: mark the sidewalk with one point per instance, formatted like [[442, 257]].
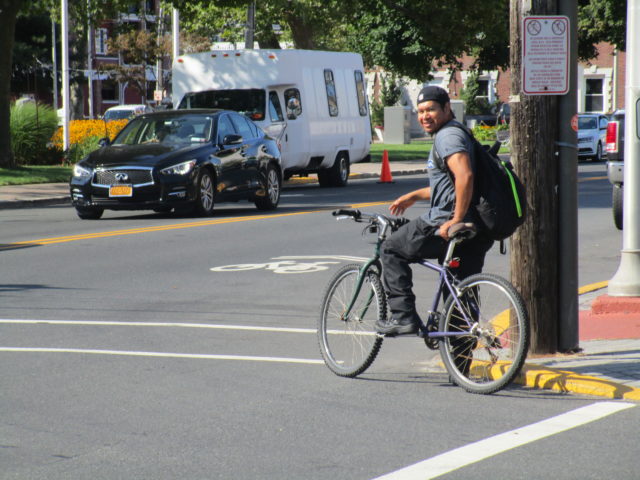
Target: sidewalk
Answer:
[[608, 364]]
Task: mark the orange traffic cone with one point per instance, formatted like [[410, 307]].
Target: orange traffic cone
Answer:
[[385, 172]]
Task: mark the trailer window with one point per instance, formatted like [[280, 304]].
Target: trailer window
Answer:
[[275, 111], [249, 102], [362, 97], [332, 98], [293, 103]]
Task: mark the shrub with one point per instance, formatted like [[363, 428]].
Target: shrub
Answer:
[[31, 126], [78, 151], [484, 132]]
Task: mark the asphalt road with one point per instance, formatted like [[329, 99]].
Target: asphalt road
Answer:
[[159, 347]]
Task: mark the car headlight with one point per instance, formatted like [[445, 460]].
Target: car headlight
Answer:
[[585, 139], [179, 169], [79, 171]]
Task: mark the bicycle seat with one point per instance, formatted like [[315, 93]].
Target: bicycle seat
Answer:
[[462, 230]]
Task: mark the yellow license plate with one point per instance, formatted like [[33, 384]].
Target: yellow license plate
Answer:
[[120, 191]]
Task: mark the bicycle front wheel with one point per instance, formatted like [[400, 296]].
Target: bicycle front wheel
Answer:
[[348, 340], [494, 330]]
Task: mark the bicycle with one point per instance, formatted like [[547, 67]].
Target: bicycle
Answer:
[[482, 331]]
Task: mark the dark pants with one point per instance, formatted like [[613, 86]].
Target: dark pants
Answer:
[[411, 243]]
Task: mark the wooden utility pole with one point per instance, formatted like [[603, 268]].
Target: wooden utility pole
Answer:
[[534, 253]]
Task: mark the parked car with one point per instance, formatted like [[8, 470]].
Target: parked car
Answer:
[[615, 163], [179, 159], [592, 131], [122, 112]]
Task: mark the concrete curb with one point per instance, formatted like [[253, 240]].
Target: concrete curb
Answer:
[[35, 203], [534, 376]]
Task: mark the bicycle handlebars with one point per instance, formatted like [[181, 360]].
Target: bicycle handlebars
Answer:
[[458, 231]]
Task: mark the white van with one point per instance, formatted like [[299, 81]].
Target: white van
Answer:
[[314, 103]]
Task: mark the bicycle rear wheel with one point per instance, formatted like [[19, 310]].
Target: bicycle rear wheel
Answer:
[[349, 343], [491, 354]]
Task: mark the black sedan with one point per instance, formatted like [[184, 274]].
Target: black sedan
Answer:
[[185, 160]]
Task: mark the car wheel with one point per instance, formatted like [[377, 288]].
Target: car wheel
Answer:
[[269, 200], [206, 192], [618, 191], [88, 213], [337, 175], [598, 156]]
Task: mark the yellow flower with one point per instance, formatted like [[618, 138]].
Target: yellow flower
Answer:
[[81, 130]]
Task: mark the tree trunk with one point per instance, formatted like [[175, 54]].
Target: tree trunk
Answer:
[[9, 9], [534, 255], [300, 31]]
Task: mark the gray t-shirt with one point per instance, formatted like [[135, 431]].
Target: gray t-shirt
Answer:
[[448, 140]]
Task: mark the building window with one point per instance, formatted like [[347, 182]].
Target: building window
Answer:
[[332, 98], [483, 88], [594, 98], [360, 91], [109, 90], [101, 41]]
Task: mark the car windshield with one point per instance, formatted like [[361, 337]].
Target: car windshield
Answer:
[[118, 114], [249, 102], [179, 129], [587, 123]]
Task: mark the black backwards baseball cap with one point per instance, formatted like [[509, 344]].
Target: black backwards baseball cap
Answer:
[[434, 93]]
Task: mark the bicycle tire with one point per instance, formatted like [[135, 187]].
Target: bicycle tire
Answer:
[[492, 355], [349, 346]]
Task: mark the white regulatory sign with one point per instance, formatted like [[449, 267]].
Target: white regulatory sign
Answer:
[[545, 55]]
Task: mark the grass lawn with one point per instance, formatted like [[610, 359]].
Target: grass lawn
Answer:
[[34, 174], [416, 150]]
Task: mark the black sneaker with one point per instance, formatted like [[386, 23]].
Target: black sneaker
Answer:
[[396, 327]]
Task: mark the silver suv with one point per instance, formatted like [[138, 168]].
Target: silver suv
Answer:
[[592, 130], [615, 162]]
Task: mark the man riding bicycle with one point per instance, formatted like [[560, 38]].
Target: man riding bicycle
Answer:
[[450, 194]]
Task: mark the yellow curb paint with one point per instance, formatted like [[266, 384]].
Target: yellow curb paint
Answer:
[[592, 287], [565, 381]]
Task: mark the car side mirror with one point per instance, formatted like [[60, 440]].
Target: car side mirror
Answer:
[[104, 142], [232, 140]]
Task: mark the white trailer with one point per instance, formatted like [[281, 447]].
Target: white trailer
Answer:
[[313, 102]]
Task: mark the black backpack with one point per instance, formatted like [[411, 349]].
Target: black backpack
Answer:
[[499, 197]]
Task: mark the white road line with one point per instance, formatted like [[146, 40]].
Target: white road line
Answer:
[[475, 452], [309, 257], [158, 324], [309, 361], [254, 328]]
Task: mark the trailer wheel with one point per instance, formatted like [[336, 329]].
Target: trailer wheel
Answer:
[[337, 175]]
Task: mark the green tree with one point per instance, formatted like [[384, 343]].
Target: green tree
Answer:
[[474, 104], [601, 21]]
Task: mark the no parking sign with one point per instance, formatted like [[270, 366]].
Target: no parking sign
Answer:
[[545, 55]]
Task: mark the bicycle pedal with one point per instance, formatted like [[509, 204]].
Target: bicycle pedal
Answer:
[[432, 343]]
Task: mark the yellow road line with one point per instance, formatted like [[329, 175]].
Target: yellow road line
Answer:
[[587, 179], [160, 228]]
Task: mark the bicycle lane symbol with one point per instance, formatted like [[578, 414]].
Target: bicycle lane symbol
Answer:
[[286, 265]]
